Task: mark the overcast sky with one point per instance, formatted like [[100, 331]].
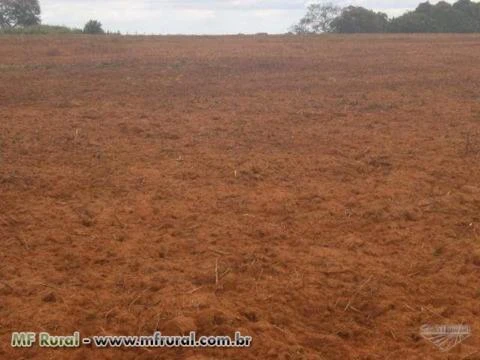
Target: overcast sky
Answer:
[[195, 16]]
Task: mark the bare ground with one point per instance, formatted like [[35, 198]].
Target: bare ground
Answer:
[[334, 180]]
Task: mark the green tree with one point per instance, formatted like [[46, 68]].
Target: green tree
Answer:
[[19, 13], [462, 17], [450, 19], [413, 22], [93, 27], [472, 11], [318, 19], [468, 7], [355, 19]]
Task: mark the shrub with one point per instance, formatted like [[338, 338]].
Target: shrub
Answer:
[[93, 27]]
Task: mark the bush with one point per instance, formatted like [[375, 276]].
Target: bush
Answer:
[[93, 27]]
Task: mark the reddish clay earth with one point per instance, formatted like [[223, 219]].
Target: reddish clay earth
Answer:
[[334, 181]]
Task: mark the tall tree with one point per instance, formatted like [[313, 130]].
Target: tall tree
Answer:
[[318, 19], [19, 13]]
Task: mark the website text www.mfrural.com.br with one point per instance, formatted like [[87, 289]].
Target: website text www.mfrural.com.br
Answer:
[[157, 340]]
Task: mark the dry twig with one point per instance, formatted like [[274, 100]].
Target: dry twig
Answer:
[[356, 293]]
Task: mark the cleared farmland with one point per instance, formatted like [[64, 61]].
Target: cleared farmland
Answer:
[[320, 194]]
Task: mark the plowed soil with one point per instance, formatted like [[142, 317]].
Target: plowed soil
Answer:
[[320, 194]]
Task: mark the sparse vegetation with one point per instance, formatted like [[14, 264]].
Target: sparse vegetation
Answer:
[[41, 30]]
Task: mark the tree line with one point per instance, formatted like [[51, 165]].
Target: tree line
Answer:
[[461, 17]]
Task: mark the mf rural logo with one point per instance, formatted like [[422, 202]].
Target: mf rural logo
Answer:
[[445, 337]]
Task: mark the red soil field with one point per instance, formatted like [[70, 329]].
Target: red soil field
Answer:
[[320, 194]]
